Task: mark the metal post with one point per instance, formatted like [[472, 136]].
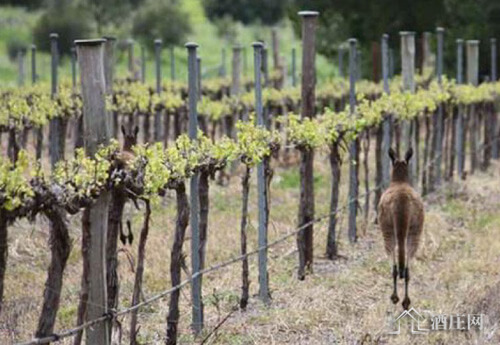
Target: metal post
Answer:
[[198, 77], [157, 121], [172, 63], [90, 59], [353, 147], [197, 323], [386, 140], [261, 181], [33, 64], [294, 67], [460, 144]]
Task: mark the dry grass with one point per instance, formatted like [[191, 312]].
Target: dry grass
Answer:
[[344, 302]]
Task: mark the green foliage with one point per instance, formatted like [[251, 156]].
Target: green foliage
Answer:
[[15, 46], [69, 22], [30, 4], [246, 11], [165, 20]]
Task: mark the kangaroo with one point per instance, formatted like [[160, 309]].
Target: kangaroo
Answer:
[[126, 155], [401, 220], [124, 158]]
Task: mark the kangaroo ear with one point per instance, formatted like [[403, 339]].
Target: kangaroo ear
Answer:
[[136, 130], [124, 132], [392, 155], [408, 155]]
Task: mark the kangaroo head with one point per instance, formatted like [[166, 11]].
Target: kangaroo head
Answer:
[[129, 138], [400, 167]]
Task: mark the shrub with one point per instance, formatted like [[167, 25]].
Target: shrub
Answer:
[[69, 23], [14, 46], [165, 20]]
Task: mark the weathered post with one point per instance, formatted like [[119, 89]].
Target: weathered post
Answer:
[[439, 130], [96, 132], [359, 65], [294, 67], [426, 51], [236, 71], [197, 313], [306, 203], [460, 143], [157, 121], [261, 181], [352, 198], [143, 64], [494, 117], [408, 71], [131, 67], [387, 123], [20, 61], [265, 66], [57, 125], [73, 68], [109, 72], [473, 78], [172, 63], [33, 64], [222, 71]]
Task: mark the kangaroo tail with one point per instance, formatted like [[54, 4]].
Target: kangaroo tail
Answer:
[[401, 223]]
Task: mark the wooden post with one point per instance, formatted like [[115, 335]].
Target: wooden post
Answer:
[[197, 314], [473, 78], [109, 71], [172, 63], [387, 123], [439, 131], [131, 67], [236, 71], [265, 66], [426, 51], [353, 147], [375, 62], [96, 132], [264, 295], [73, 68], [460, 143], [143, 64], [408, 71], [20, 60], [33, 64], [494, 116], [294, 67], [222, 70], [57, 127], [306, 204], [157, 121], [359, 68]]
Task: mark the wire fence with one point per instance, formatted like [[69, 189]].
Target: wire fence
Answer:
[[216, 267]]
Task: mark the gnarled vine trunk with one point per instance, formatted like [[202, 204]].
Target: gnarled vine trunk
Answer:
[[60, 247], [176, 261]]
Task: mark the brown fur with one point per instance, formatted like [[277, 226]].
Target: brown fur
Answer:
[[126, 155], [401, 217]]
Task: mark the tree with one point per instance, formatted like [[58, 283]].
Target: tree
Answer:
[[165, 20], [247, 11]]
